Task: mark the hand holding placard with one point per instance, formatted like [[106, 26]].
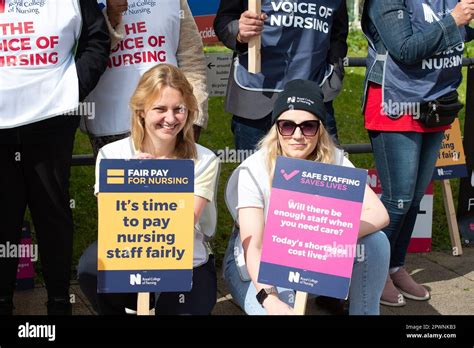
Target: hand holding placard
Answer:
[[115, 9], [463, 13]]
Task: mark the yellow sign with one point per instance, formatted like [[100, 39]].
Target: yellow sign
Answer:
[[145, 231], [451, 159], [146, 225]]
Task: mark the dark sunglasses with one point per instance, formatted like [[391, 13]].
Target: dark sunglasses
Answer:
[[288, 128]]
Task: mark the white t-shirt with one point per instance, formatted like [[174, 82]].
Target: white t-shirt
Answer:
[[206, 169], [39, 81]]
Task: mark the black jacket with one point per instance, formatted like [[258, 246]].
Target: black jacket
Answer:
[[226, 26], [93, 48], [256, 105]]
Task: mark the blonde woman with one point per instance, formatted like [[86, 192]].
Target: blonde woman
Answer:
[[163, 111], [298, 131]]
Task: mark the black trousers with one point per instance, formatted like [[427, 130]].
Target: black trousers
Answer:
[[199, 301], [35, 165]]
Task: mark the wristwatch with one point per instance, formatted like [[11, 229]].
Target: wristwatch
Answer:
[[263, 294]]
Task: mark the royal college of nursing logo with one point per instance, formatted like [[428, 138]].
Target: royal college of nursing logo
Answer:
[[430, 16], [22, 6]]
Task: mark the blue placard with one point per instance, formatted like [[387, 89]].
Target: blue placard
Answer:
[[450, 172], [203, 7], [129, 281], [319, 178], [118, 175]]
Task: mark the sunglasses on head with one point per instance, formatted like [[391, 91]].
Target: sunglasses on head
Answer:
[[288, 128]]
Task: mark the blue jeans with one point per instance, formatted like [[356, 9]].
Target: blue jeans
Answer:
[[405, 163], [368, 279], [247, 132]]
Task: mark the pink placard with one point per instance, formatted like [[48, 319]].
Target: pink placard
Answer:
[[299, 225]]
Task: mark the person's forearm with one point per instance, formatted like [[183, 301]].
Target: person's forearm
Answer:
[[253, 255], [403, 44], [374, 215], [93, 48], [371, 223], [226, 24], [339, 33], [229, 38], [199, 205]]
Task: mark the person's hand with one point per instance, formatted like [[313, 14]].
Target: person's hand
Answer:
[[115, 8], [250, 25], [463, 13], [197, 133], [143, 155], [274, 306]]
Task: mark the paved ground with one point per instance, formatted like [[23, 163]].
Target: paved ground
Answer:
[[451, 280]]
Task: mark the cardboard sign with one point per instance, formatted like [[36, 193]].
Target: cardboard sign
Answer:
[[204, 12], [312, 227], [451, 159], [146, 225], [421, 238]]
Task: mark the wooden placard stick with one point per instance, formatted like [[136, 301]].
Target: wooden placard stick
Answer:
[[451, 216], [255, 44], [300, 302], [143, 303]]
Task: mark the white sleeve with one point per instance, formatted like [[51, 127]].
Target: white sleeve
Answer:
[[249, 192], [205, 184], [347, 163], [97, 172]]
